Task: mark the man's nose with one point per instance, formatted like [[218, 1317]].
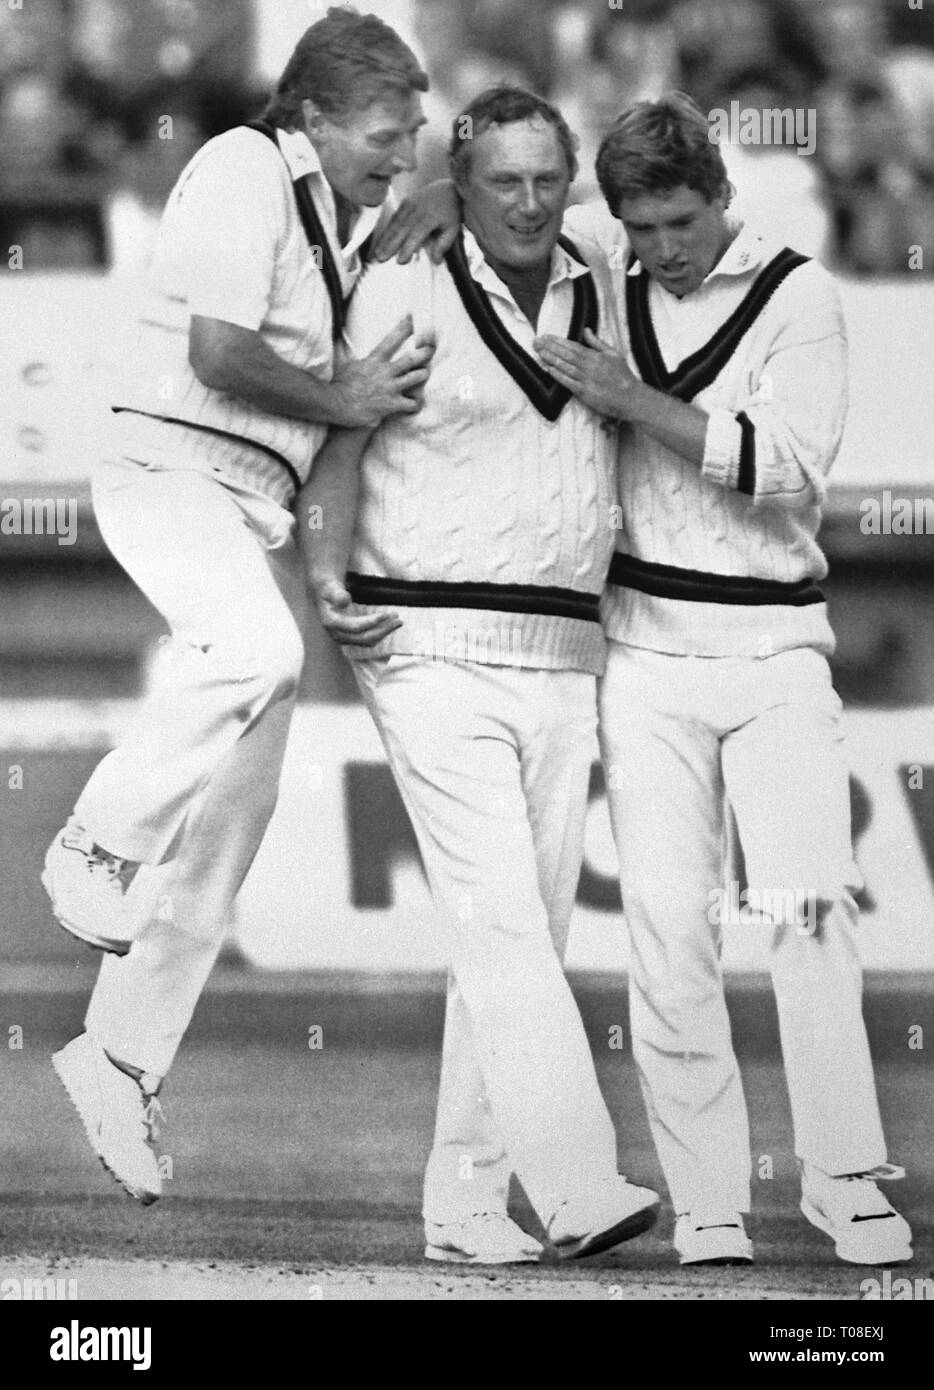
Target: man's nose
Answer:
[[668, 246], [529, 199], [404, 158]]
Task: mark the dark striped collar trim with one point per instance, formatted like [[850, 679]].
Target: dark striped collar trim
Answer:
[[501, 598], [696, 372], [548, 397], [699, 586], [318, 239]]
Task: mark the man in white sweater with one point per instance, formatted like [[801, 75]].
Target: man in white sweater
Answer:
[[730, 397], [484, 529], [236, 382]]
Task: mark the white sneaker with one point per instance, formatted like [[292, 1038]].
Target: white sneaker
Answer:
[[616, 1212], [86, 886], [712, 1238], [486, 1239], [864, 1226], [119, 1115]]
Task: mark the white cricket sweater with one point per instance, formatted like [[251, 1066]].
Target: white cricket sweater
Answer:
[[232, 246], [485, 519], [723, 559]]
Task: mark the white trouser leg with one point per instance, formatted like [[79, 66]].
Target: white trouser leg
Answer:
[[787, 780], [142, 1003], [666, 807], [468, 1169], [457, 736], [236, 648]]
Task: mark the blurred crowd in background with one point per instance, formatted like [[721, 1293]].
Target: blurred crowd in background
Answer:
[[85, 165]]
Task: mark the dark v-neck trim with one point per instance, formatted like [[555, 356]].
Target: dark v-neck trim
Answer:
[[547, 395], [696, 372], [317, 237]]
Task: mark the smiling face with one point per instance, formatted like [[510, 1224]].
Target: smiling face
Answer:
[[515, 192], [361, 152], [678, 236]]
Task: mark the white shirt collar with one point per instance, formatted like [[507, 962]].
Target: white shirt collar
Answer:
[[745, 253], [302, 159], [563, 266]]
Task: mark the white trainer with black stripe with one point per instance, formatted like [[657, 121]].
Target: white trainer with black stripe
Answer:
[[86, 885], [712, 1238], [864, 1226], [487, 1238], [119, 1114]]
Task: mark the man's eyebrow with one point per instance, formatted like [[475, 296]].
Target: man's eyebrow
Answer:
[[391, 129], [661, 222], [545, 173]]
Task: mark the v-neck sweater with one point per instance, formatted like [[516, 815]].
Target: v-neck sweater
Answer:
[[722, 559], [485, 520]]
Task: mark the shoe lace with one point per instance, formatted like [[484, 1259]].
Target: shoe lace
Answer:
[[863, 1199], [118, 872], [883, 1172], [99, 861]]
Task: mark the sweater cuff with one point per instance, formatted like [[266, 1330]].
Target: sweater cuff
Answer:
[[722, 445]]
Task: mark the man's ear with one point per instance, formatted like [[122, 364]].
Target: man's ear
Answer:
[[312, 118]]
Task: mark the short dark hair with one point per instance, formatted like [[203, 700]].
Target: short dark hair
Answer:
[[344, 63], [657, 146], [504, 105]]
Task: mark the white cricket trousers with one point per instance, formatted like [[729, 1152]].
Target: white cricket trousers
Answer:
[[680, 735], [493, 766], [190, 790]]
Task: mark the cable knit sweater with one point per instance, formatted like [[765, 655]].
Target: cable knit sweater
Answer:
[[723, 559], [485, 519]]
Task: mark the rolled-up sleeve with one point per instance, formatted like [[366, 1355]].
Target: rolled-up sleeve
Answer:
[[779, 447]]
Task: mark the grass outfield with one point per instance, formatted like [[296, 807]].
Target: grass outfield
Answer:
[[296, 1175]]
